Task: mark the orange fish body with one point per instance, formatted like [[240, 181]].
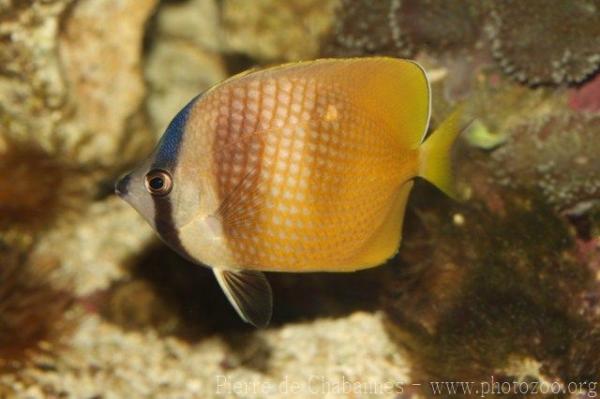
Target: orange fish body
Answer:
[[302, 167]]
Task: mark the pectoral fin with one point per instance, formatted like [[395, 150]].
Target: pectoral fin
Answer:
[[250, 294]]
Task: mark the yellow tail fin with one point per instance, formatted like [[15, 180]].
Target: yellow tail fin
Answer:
[[434, 154]]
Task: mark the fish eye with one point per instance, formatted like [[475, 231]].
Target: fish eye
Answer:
[[158, 182]]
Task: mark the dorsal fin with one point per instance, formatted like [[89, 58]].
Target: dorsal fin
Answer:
[[392, 91]]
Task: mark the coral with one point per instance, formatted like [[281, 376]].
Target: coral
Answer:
[[36, 187], [364, 27], [440, 26], [270, 31], [479, 136], [500, 104], [35, 306], [556, 155], [541, 44], [401, 27]]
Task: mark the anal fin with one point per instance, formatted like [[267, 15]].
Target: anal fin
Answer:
[[249, 292], [385, 242]]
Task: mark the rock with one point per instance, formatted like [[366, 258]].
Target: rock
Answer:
[[309, 360], [72, 89], [183, 58], [196, 22], [31, 83], [71, 77], [275, 31], [100, 51], [174, 84], [95, 247], [136, 305]]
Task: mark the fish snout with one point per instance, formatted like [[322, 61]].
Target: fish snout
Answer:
[[122, 186]]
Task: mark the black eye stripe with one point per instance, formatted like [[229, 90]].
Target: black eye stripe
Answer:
[[165, 225]]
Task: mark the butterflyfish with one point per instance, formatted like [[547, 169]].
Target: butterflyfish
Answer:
[[303, 167]]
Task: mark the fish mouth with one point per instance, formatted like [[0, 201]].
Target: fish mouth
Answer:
[[122, 186]]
